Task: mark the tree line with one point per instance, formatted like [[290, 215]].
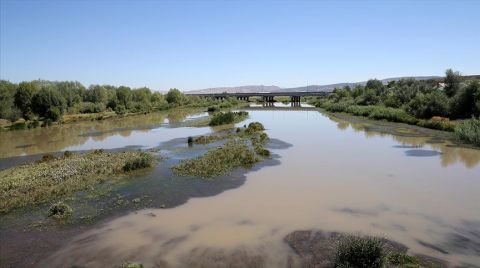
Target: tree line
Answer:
[[49, 100], [454, 96]]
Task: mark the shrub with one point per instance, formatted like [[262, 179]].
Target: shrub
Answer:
[[254, 127], [67, 154], [18, 126], [440, 123], [357, 251], [53, 113], [228, 118], [143, 161], [391, 114], [469, 131], [212, 109], [59, 210], [262, 151], [47, 158], [190, 140], [402, 260]]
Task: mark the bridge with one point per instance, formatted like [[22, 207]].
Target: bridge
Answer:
[[266, 96]]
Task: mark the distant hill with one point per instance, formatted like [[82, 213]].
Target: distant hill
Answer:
[[330, 87]]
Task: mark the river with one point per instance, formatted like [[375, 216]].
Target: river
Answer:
[[339, 173]]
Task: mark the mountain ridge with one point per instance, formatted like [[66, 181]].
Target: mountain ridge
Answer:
[[273, 88]]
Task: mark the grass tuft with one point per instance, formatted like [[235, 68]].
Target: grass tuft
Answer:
[[60, 210], [359, 251], [144, 160]]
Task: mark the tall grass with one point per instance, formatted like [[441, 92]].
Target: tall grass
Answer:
[[469, 131]]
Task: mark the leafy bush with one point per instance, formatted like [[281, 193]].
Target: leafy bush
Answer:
[[391, 114], [53, 113], [59, 210], [440, 123], [143, 161], [357, 251], [228, 118], [254, 127], [469, 131], [131, 265]]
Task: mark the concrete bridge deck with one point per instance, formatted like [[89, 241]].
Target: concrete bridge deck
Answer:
[[267, 96]]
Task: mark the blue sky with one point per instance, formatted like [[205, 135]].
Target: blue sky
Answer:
[[199, 44]]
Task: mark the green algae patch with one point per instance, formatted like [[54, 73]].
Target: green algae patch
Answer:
[[52, 177]]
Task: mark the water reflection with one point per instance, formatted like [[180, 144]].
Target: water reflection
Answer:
[[412, 137], [107, 134]]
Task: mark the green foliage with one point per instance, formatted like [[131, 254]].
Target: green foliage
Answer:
[[45, 100], [8, 110], [59, 210], [402, 260], [469, 131], [175, 97], [24, 96], [143, 161], [357, 251], [437, 123], [131, 265], [228, 118], [452, 82], [428, 105], [466, 101], [255, 127], [53, 113]]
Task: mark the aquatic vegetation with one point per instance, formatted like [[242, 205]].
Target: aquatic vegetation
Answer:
[[208, 139], [131, 265], [254, 127], [218, 161], [228, 118], [59, 210], [41, 181], [469, 131], [359, 251], [144, 160]]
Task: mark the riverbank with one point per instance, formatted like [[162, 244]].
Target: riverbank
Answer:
[[467, 131]]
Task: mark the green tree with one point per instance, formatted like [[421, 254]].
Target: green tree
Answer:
[[465, 102], [174, 96], [124, 96], [23, 97], [452, 82], [8, 110], [46, 102], [97, 94]]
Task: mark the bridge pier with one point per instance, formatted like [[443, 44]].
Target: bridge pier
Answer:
[[268, 99], [295, 99]]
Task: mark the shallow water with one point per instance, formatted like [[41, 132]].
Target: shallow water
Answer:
[[414, 186]]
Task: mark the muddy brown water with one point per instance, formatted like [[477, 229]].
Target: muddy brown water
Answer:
[[341, 174]]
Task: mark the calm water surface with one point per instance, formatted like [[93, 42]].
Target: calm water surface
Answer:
[[414, 187]]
